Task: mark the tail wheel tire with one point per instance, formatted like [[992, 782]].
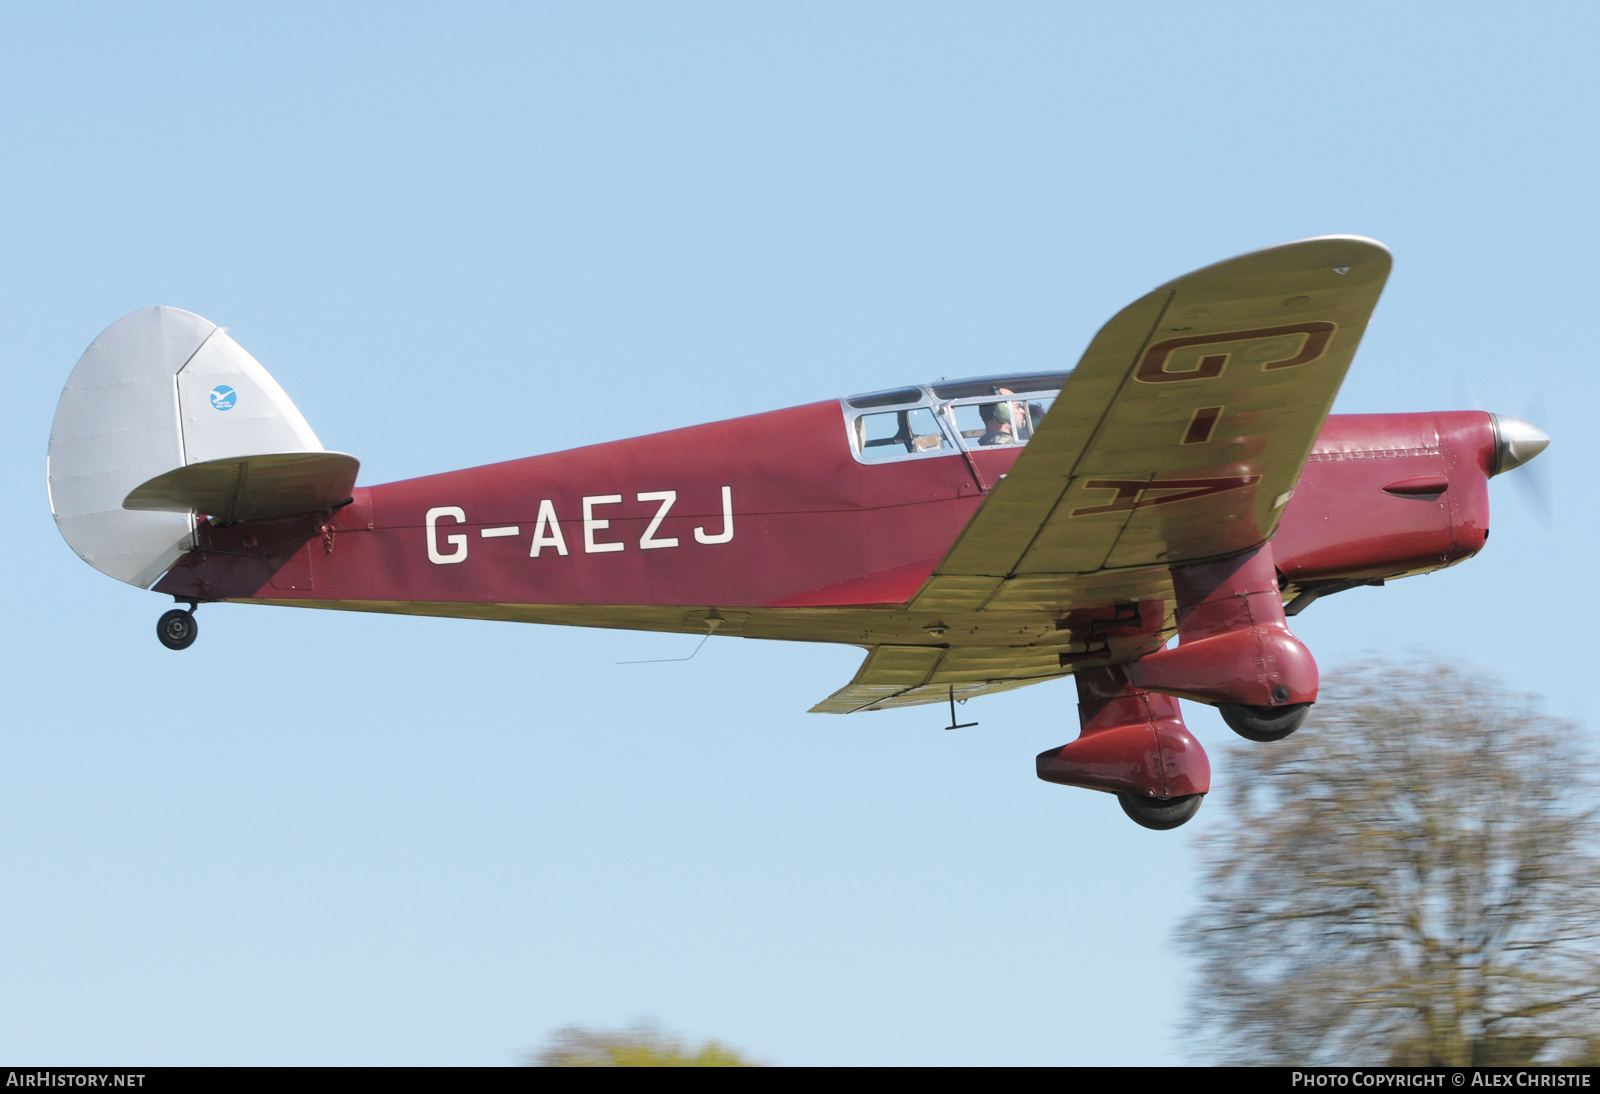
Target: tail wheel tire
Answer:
[[1160, 814], [177, 629], [1263, 723]]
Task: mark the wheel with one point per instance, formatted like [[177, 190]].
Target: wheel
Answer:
[[1263, 723], [1160, 813], [177, 629]]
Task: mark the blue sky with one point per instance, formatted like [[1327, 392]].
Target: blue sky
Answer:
[[470, 234]]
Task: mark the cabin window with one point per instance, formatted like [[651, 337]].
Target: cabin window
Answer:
[[1010, 419], [898, 434], [946, 417], [1047, 382], [897, 397]]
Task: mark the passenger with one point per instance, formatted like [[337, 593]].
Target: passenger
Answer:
[[1030, 422]]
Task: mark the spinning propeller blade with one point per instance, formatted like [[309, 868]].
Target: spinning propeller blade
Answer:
[[1516, 443]]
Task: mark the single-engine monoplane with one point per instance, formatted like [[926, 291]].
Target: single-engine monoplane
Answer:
[[1184, 481]]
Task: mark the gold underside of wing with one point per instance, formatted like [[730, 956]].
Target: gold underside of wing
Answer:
[[1185, 426]]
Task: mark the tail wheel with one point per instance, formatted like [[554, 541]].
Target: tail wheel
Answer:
[[1160, 814], [1263, 723], [177, 629]]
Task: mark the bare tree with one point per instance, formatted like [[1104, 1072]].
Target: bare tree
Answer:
[[1410, 879]]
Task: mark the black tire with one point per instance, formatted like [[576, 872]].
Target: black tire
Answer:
[[1263, 723], [1160, 814], [177, 629]]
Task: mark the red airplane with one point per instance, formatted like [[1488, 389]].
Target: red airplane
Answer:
[[1185, 480]]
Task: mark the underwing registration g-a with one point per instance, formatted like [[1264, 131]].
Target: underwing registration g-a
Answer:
[[1185, 480]]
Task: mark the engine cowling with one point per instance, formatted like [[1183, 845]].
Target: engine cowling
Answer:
[[1387, 495]]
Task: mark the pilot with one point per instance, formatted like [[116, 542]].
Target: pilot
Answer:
[[997, 421]]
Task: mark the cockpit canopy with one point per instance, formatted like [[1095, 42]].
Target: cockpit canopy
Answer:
[[943, 418]]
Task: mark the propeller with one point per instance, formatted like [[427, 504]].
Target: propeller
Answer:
[[1515, 443]]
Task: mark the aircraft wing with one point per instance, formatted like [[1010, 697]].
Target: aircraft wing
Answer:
[[1183, 430], [901, 676], [1179, 437]]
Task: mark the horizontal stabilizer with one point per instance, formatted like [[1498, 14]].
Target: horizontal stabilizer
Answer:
[[277, 484]]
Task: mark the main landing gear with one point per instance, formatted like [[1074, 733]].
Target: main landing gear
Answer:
[[1263, 723], [177, 629], [1160, 814], [1133, 744]]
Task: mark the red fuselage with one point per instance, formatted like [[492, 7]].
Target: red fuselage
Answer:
[[772, 517]]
